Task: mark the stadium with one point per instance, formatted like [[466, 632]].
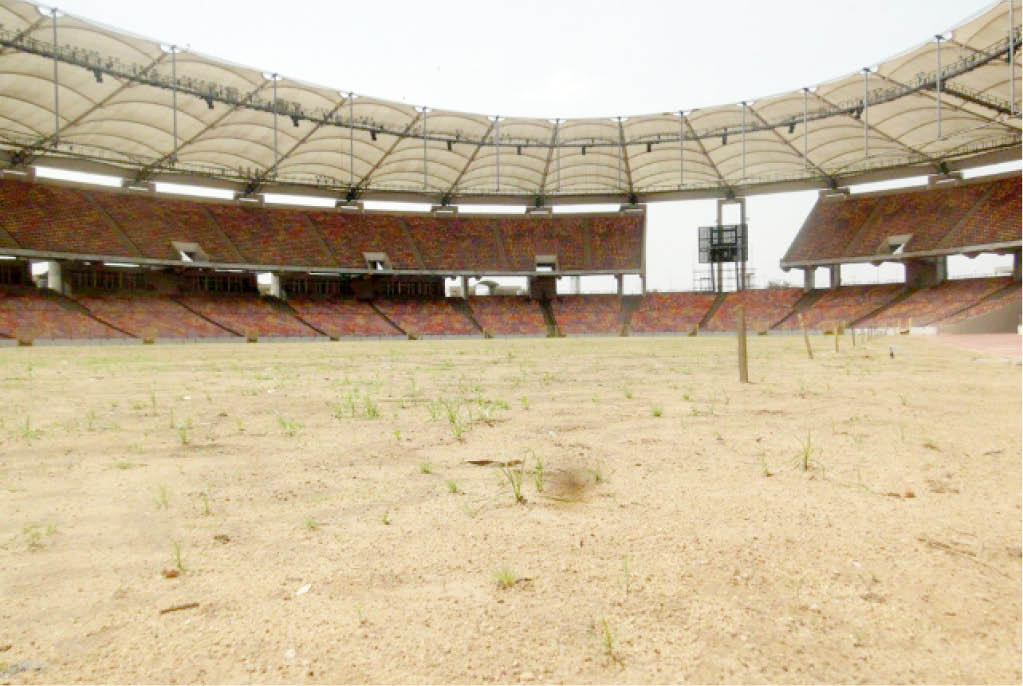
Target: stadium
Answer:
[[448, 456]]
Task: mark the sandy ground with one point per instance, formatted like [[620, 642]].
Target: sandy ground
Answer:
[[316, 502], [1005, 344]]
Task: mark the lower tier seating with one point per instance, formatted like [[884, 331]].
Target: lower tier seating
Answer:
[[28, 314], [764, 308], [509, 315], [247, 315], [844, 305], [670, 312], [1006, 297], [427, 317], [150, 316], [929, 305], [347, 317], [587, 314]]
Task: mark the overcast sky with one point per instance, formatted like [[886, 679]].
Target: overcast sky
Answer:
[[563, 59]]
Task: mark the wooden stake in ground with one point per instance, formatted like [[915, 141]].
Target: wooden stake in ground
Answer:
[[806, 336], [743, 371], [836, 336], [852, 334]]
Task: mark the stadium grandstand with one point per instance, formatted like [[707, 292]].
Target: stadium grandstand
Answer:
[[129, 263]]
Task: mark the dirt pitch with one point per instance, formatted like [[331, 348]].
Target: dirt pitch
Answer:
[[317, 503]]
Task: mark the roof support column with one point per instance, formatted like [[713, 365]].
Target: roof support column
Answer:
[[351, 139], [937, 77], [174, 101], [866, 106], [1012, 58], [806, 160], [743, 139], [497, 148], [276, 158], [681, 148], [56, 84], [425, 162]]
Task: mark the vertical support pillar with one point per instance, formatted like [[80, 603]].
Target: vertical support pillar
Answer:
[[351, 140], [809, 278], [937, 76], [621, 285], [575, 284], [940, 269], [743, 369], [806, 161], [276, 156], [54, 276], [866, 108], [1012, 57], [56, 83], [464, 281], [835, 274], [174, 100], [275, 285], [1017, 268]]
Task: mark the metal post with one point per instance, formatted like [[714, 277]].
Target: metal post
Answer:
[[744, 139], [425, 163], [937, 101], [1012, 58], [56, 83], [275, 120], [351, 139], [497, 147], [620, 153], [557, 152], [681, 148], [866, 131], [806, 161], [174, 99]]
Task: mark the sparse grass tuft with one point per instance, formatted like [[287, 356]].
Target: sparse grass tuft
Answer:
[[162, 497], [805, 459], [288, 425], [452, 486], [176, 552], [506, 577], [311, 524], [426, 468], [657, 411], [386, 518], [608, 638], [513, 476]]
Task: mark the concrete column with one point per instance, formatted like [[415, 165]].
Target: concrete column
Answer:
[[940, 269], [54, 276], [1016, 264], [621, 284], [464, 281], [835, 272], [575, 284], [809, 278], [275, 285]]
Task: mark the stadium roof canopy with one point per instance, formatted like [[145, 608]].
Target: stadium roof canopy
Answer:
[[81, 95]]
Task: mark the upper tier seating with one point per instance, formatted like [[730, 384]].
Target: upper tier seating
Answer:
[[941, 217], [272, 236], [587, 314], [929, 305], [148, 316], [457, 243], [342, 317], [154, 223], [509, 315], [427, 317], [58, 219], [764, 308], [845, 305], [54, 218], [27, 313], [246, 314], [670, 312]]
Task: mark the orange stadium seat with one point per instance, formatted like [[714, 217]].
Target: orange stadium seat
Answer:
[[844, 305], [764, 308], [342, 317], [929, 305], [509, 315], [27, 313], [427, 317], [245, 314], [150, 315], [670, 312], [587, 314]]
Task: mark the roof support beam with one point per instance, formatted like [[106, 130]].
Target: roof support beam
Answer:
[[361, 186], [256, 183], [472, 158], [625, 156], [806, 160], [882, 134], [26, 155], [143, 174], [550, 155], [953, 90], [729, 191]]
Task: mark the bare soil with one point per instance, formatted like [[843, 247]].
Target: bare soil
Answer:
[[311, 512]]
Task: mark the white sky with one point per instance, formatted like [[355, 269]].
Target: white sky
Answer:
[[567, 58]]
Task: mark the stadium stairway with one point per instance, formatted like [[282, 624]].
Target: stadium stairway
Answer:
[[894, 301], [462, 306], [199, 314], [629, 305], [75, 306], [802, 305], [389, 320], [710, 312], [548, 316], [283, 306]]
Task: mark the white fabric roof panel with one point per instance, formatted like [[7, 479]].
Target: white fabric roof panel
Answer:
[[117, 95]]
